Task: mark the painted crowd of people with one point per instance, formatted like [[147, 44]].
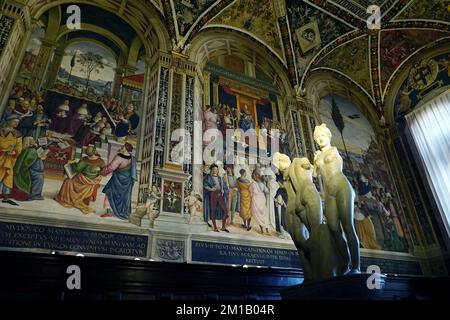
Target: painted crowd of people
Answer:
[[260, 198], [81, 123], [377, 217], [224, 117], [27, 135]]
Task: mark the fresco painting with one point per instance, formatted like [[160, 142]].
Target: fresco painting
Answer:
[[352, 59], [259, 20], [188, 11], [314, 29], [424, 77], [72, 146], [379, 219], [430, 10], [252, 200], [397, 46]]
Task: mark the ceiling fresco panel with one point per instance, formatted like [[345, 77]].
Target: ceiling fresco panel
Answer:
[[311, 29], [426, 10], [396, 46], [255, 17], [351, 59], [188, 11]]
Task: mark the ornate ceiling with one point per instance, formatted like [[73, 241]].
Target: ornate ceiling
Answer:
[[309, 35], [330, 35]]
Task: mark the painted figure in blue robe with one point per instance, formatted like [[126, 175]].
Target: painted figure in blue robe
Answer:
[[216, 191], [119, 188], [128, 123]]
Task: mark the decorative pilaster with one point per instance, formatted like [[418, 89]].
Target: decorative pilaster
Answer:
[[154, 122], [206, 88], [127, 71], [215, 93], [173, 155], [42, 63], [197, 175], [54, 66], [189, 127], [117, 83], [15, 30]]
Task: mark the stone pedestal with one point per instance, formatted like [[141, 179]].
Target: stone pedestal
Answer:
[[350, 287], [172, 209]]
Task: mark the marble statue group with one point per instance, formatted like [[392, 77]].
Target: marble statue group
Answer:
[[325, 249]]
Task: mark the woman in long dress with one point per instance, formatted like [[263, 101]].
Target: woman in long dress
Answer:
[[339, 199], [260, 212]]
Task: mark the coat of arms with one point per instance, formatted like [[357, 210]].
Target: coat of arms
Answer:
[[423, 74]]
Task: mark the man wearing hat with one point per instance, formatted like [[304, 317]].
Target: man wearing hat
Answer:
[[10, 148]]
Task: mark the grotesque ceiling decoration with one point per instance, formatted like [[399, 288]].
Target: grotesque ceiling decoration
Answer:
[[429, 10], [351, 58], [397, 45], [308, 35], [254, 17], [188, 11], [330, 35]]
